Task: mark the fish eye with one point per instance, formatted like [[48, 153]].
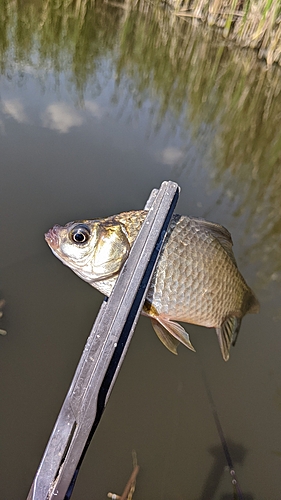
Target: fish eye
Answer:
[[80, 234]]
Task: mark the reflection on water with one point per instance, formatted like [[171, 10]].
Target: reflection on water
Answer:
[[218, 468], [100, 102], [214, 90]]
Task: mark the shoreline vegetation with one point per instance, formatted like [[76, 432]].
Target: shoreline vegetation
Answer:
[[254, 24], [248, 23]]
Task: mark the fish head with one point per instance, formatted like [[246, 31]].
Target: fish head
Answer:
[[93, 249]]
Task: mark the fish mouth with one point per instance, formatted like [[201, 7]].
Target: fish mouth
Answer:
[[52, 238]]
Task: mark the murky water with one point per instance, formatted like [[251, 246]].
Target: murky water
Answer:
[[99, 104]]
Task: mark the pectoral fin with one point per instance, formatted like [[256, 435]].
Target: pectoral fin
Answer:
[[227, 335], [171, 333]]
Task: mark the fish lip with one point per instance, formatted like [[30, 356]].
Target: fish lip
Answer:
[[52, 238]]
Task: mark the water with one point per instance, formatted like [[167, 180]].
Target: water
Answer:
[[100, 104]]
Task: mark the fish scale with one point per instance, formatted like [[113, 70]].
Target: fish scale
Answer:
[[196, 279], [178, 290]]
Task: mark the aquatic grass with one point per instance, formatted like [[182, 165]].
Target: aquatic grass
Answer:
[[230, 17], [249, 23]]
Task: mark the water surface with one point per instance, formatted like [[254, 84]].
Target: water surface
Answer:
[[98, 105]]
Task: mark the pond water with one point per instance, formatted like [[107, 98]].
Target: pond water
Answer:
[[98, 105]]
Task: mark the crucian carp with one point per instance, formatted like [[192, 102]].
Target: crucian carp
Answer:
[[196, 279]]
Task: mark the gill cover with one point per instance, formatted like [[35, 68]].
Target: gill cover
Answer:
[[111, 249]]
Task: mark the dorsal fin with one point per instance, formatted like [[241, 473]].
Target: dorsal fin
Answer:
[[220, 233]]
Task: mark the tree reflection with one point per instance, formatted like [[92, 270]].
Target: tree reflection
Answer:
[[220, 93], [212, 482]]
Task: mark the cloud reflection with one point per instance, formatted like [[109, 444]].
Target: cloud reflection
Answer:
[[15, 109], [171, 155], [95, 109], [61, 116]]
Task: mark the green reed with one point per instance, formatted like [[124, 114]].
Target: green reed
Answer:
[[250, 23]]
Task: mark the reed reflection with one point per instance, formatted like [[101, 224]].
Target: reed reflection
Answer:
[[222, 95]]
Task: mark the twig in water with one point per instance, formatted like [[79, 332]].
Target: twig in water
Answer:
[[131, 484]]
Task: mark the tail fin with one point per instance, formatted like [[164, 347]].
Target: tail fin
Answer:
[[227, 334]]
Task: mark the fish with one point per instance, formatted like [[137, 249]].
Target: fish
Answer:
[[196, 279]]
